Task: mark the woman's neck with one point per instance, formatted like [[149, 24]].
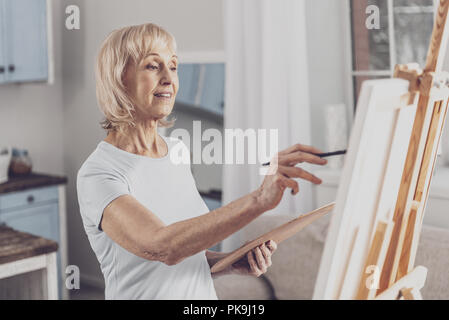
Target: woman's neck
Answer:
[[139, 140]]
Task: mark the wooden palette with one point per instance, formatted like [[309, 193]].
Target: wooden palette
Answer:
[[278, 235]]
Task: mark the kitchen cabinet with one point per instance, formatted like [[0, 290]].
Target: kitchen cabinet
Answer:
[[28, 268], [202, 86], [36, 205], [188, 74], [212, 95], [23, 41], [40, 220]]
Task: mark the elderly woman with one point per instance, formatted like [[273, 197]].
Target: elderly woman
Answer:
[[143, 215]]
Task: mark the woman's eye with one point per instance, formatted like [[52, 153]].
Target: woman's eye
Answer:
[[151, 67], [174, 68]]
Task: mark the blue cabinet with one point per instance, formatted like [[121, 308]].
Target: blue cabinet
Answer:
[[34, 211], [41, 221], [188, 74], [202, 85], [212, 94], [23, 40]]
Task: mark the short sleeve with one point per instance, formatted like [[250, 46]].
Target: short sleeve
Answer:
[[96, 188]]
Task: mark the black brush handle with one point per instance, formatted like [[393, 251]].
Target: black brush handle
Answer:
[[321, 155]]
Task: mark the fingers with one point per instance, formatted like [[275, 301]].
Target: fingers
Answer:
[[285, 182], [254, 268], [300, 147], [295, 172], [299, 156], [272, 246], [259, 259], [266, 255]]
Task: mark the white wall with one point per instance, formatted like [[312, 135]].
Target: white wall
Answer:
[[31, 113], [196, 25]]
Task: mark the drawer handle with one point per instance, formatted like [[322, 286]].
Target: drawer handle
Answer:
[[30, 199]]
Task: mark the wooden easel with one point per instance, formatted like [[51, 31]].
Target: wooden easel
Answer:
[[394, 243]]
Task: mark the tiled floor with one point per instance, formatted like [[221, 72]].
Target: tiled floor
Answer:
[[86, 292]]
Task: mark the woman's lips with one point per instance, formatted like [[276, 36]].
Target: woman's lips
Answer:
[[163, 98]]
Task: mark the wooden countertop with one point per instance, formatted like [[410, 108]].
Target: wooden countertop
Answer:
[[16, 245], [32, 180]]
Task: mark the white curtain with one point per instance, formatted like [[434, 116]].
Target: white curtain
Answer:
[[266, 88]]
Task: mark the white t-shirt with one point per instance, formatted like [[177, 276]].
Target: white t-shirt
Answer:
[[165, 188]]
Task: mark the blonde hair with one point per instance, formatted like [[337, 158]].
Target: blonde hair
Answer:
[[121, 47]]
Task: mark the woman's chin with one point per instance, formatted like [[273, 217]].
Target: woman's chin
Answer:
[[159, 112], [159, 116]]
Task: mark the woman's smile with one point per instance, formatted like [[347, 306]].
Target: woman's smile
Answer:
[[163, 96]]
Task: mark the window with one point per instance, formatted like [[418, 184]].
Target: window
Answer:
[[403, 36], [405, 28]]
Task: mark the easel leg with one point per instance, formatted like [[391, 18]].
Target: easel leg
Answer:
[[411, 294]]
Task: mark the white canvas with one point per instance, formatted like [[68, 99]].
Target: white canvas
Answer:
[[369, 185]]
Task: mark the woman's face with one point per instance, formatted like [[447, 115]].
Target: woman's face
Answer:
[[153, 84]]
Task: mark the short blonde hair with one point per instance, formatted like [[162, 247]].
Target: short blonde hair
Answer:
[[121, 47]]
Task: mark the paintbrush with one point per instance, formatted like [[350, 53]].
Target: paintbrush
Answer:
[[321, 155]]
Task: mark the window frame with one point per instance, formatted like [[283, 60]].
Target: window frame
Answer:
[[351, 73]]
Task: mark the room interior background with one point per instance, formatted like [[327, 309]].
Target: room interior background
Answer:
[[58, 122]]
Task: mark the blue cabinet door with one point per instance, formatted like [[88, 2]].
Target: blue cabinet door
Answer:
[[212, 95], [202, 85], [2, 42], [41, 220], [26, 40], [188, 74]]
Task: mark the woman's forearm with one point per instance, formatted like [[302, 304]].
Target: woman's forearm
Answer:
[[188, 237]]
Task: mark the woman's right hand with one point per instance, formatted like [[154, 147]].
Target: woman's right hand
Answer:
[[281, 172]]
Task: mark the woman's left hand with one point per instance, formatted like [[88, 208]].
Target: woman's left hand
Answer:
[[255, 262]]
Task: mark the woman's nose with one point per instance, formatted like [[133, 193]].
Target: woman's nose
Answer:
[[166, 78]]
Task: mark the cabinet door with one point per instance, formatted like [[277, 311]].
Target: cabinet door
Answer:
[[39, 220], [212, 96], [2, 41], [26, 40], [188, 74]]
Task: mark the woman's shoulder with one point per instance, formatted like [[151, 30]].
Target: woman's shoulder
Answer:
[[100, 160]]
